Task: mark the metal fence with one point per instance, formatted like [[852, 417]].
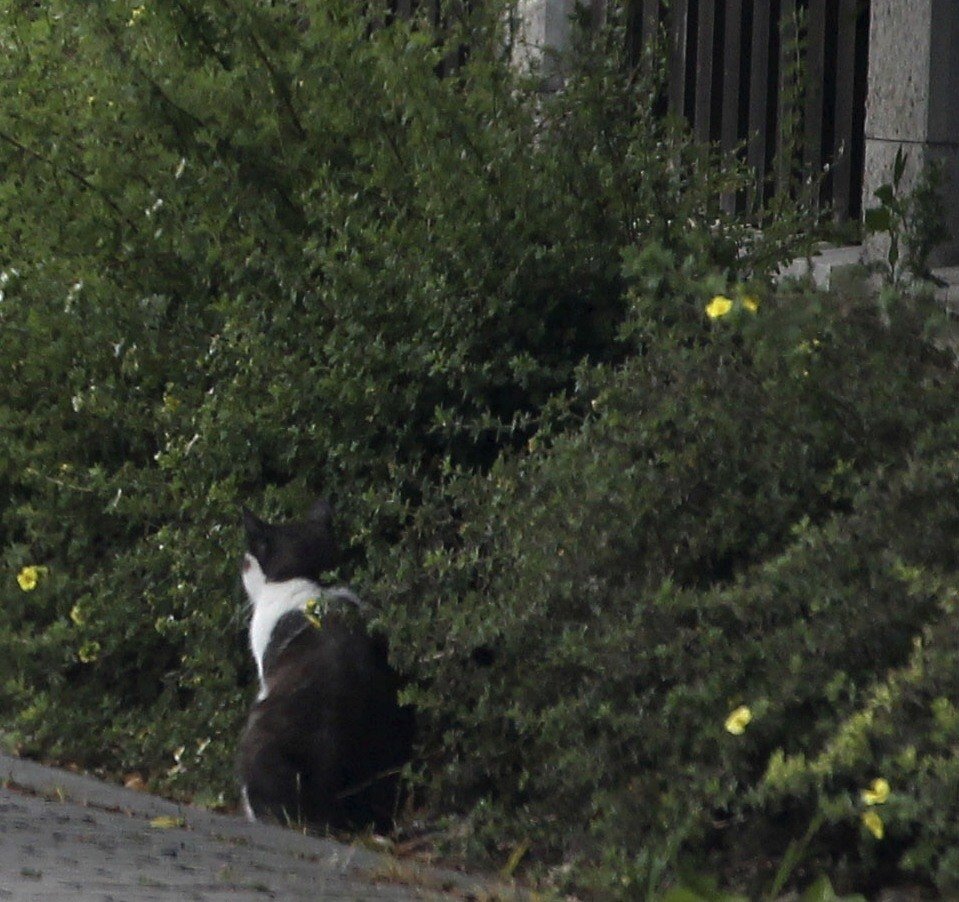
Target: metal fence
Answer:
[[783, 79]]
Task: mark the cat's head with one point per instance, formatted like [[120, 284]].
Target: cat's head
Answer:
[[282, 551]]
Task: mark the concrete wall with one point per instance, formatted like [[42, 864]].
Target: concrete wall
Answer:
[[543, 30], [913, 100]]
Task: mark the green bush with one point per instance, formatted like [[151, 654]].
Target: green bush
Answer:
[[252, 252], [250, 255], [751, 516]]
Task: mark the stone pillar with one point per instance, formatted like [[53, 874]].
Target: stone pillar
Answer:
[[542, 32], [913, 101]]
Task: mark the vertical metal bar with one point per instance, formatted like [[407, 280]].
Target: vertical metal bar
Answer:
[[788, 48], [845, 116], [650, 21], [732, 65], [597, 13], [815, 75], [678, 30], [447, 13], [760, 121], [705, 61], [731, 91], [858, 156]]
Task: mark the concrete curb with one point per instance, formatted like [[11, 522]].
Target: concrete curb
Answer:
[[845, 267]]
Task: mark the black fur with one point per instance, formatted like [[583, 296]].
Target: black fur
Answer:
[[288, 550], [325, 746]]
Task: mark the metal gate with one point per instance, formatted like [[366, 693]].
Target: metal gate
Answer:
[[784, 79]]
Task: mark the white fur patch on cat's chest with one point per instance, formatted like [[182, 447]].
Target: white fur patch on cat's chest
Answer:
[[271, 601]]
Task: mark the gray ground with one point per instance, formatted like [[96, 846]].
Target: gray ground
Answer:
[[64, 836]]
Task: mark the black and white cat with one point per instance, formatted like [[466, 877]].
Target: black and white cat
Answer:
[[326, 737]]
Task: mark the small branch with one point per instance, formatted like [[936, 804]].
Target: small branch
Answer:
[[125, 57], [180, 116], [204, 40], [59, 482], [279, 86], [73, 173]]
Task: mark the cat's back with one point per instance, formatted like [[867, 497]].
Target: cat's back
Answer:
[[327, 658]]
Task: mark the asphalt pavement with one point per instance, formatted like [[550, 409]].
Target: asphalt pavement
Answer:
[[68, 836]]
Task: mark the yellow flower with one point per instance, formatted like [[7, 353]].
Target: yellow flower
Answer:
[[877, 793], [751, 303], [873, 823], [737, 721], [313, 611], [89, 652], [29, 577], [718, 306], [77, 615]]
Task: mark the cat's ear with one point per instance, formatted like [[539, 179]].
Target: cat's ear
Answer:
[[321, 513], [255, 527]]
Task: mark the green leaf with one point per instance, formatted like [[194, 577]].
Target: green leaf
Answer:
[[878, 219], [899, 167], [685, 893], [886, 195], [821, 891]]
